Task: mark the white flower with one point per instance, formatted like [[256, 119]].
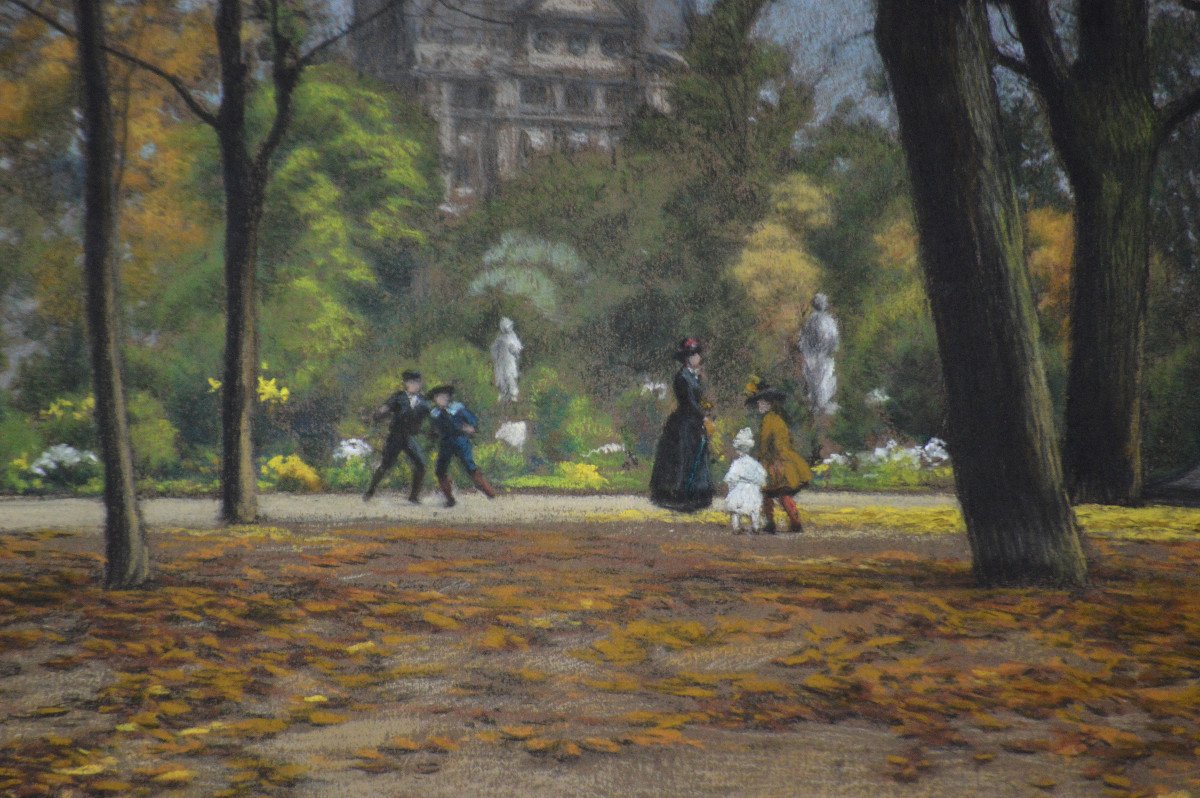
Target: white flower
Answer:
[[935, 452], [659, 389], [350, 449], [61, 455], [836, 459], [608, 448], [877, 398], [884, 453]]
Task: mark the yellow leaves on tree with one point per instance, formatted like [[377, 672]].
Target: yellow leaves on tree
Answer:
[[158, 222], [1051, 245], [37, 76], [897, 247], [775, 268]]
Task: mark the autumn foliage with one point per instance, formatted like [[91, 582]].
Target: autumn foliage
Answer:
[[569, 644]]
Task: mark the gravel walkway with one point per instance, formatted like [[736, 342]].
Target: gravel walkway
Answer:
[[330, 508]]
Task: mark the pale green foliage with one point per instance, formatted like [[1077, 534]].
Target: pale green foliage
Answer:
[[528, 266]]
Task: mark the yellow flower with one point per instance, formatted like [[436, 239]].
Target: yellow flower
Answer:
[[213, 385], [291, 473], [581, 475], [269, 392]]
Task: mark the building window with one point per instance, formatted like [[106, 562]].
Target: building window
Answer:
[[476, 95], [535, 93], [579, 97], [614, 46], [543, 41], [577, 43], [577, 140], [621, 99]]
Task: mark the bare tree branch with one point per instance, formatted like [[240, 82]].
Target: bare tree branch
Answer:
[[204, 114], [308, 57], [472, 15], [1046, 64], [285, 74], [1176, 112], [1012, 63]]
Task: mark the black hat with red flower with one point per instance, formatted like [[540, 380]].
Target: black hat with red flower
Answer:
[[687, 348]]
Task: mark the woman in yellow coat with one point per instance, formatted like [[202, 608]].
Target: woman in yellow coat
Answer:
[[787, 472]]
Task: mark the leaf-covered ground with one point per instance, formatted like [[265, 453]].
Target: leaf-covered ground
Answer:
[[635, 656]]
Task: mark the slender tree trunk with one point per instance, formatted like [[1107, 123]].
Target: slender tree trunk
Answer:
[[126, 555], [938, 58], [243, 210]]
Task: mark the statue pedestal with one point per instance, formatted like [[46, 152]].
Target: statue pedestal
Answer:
[[514, 433]]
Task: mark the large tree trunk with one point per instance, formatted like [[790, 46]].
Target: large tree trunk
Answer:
[[1107, 130], [127, 559], [1102, 453], [938, 58]]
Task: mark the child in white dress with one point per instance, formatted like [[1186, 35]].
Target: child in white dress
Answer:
[[746, 478]]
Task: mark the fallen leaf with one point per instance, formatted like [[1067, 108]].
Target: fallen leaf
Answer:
[[321, 717], [178, 776], [601, 744]]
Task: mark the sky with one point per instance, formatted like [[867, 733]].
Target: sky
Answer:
[[832, 48]]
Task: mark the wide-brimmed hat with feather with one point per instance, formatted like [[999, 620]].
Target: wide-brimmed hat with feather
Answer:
[[757, 389]]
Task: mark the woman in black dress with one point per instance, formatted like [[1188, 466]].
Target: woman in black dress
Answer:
[[680, 479]]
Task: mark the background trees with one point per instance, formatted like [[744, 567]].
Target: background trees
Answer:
[[358, 277]]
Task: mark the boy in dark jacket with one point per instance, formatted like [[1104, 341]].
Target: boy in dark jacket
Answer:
[[408, 410], [453, 423]]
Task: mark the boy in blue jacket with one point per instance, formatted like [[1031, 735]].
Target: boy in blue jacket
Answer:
[[453, 423]]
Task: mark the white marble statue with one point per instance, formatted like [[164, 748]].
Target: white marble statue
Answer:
[[506, 352], [818, 342]]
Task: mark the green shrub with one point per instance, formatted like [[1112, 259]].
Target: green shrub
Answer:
[[19, 445], [155, 439], [353, 474], [69, 420], [499, 461], [1172, 429], [641, 414]]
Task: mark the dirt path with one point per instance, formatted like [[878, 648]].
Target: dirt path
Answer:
[[517, 508]]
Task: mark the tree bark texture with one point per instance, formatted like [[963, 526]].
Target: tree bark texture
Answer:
[[244, 195], [1107, 131], [1021, 529], [126, 552]]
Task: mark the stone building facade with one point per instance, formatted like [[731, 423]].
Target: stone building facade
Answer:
[[508, 79]]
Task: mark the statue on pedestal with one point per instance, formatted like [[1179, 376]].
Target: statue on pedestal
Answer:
[[506, 352], [819, 339]]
